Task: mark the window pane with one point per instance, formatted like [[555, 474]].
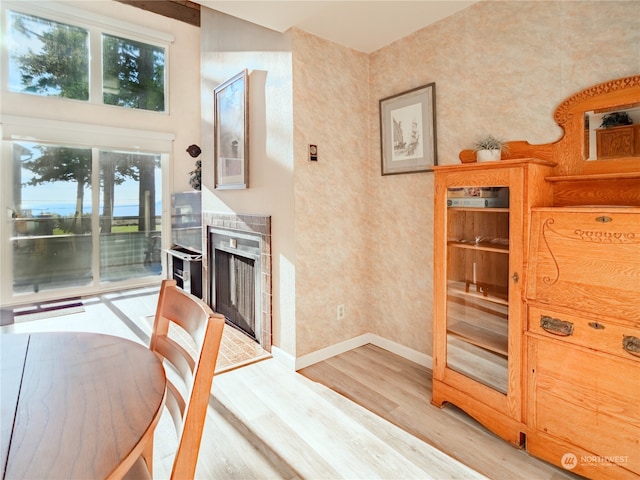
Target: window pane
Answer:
[[133, 74], [52, 245], [130, 218], [48, 58]]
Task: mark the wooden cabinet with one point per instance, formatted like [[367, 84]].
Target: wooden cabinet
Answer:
[[479, 315], [583, 340], [569, 380]]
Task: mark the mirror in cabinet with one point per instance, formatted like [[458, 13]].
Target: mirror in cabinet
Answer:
[[612, 132], [601, 127], [478, 286]]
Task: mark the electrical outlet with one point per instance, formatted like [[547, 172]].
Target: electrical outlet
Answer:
[[340, 312]]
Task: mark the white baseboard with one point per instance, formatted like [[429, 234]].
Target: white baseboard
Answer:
[[324, 353], [283, 357]]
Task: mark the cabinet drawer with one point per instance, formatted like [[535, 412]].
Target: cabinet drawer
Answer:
[[586, 399], [591, 332], [587, 259]]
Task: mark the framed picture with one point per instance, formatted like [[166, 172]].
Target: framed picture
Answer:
[[231, 133], [408, 131]]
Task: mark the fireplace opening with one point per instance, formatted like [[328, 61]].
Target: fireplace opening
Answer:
[[235, 266], [235, 292]]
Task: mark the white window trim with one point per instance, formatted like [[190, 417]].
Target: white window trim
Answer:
[[65, 13], [18, 128], [55, 131]]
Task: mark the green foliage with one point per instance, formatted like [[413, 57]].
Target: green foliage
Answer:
[[616, 119], [134, 74], [489, 142], [73, 224], [195, 179]]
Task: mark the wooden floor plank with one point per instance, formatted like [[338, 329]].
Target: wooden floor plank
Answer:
[[448, 429], [323, 435]]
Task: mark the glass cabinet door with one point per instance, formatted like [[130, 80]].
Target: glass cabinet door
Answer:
[[478, 284]]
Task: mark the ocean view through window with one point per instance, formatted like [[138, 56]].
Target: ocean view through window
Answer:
[[59, 223]]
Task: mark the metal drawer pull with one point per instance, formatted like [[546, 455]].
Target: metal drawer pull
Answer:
[[556, 326], [604, 219], [631, 345]]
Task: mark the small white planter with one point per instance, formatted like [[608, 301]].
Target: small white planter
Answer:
[[488, 155]]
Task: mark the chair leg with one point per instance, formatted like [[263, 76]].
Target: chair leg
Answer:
[[147, 455]]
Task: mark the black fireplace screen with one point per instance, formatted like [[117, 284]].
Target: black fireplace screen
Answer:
[[235, 290]]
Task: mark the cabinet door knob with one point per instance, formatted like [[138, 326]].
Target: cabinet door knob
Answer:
[[556, 326], [515, 277], [631, 345]]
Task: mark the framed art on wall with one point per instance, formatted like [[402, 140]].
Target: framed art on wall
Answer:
[[408, 131], [231, 133]]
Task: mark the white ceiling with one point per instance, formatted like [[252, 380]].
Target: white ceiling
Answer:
[[364, 25]]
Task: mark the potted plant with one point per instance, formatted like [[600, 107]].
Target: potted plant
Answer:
[[616, 119], [489, 148]]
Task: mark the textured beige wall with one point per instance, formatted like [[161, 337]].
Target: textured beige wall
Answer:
[[343, 234], [331, 198], [501, 68]]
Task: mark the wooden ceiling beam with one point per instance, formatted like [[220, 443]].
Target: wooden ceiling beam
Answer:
[[182, 10]]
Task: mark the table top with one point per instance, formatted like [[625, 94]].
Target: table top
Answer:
[[83, 405]]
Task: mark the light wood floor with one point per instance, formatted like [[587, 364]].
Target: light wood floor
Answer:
[[268, 422], [399, 391]]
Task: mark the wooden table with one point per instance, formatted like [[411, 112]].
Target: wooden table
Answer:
[[76, 405]]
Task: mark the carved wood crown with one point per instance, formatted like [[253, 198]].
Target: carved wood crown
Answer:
[[569, 153], [618, 85]]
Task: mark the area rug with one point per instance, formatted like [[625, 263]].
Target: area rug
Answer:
[[45, 311]]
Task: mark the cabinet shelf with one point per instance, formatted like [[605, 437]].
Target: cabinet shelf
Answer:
[[482, 246], [460, 290], [480, 209], [491, 340]]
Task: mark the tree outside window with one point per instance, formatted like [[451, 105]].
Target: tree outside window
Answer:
[[133, 74], [48, 58]]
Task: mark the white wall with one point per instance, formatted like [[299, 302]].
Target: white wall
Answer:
[[230, 45]]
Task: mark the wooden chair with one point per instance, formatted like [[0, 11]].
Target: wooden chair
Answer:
[[187, 335]]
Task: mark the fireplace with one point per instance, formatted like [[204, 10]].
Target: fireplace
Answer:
[[238, 272]]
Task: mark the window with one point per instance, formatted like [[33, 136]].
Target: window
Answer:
[[133, 74], [52, 58], [84, 196], [48, 58], [58, 222]]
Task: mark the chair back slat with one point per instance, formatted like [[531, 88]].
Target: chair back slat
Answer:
[[176, 405], [187, 334], [178, 356]]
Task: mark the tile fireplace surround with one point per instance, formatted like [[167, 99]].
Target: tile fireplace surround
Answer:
[[259, 225]]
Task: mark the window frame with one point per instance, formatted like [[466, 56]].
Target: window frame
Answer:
[[96, 137], [96, 25]]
